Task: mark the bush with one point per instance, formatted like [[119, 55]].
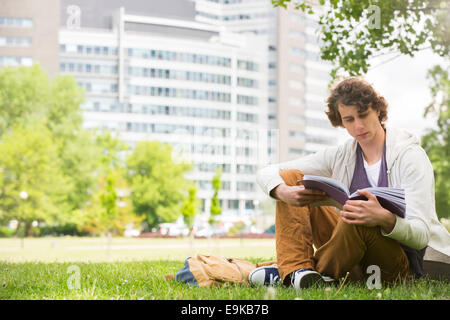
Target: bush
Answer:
[[5, 232], [236, 228], [68, 229]]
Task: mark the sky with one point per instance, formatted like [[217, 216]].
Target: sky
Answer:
[[403, 83]]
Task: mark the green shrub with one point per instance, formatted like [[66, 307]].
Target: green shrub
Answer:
[[67, 229], [6, 232]]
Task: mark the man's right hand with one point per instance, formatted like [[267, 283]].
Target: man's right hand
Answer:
[[297, 195]]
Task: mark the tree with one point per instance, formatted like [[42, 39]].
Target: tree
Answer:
[[158, 185], [352, 32], [29, 163], [27, 96], [215, 203], [436, 142], [190, 207], [109, 210]]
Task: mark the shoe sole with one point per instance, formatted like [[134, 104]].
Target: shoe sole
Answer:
[[309, 280]]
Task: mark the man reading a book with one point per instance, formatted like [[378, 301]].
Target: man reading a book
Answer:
[[363, 233]]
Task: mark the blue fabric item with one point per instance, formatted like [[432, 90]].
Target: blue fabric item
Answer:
[[360, 181], [185, 275]]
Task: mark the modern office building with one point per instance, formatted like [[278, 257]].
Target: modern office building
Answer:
[[298, 79], [197, 86], [302, 86]]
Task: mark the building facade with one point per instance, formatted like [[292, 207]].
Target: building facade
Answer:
[[29, 34], [198, 87], [298, 78]]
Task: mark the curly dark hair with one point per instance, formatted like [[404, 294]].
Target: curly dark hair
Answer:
[[355, 91]]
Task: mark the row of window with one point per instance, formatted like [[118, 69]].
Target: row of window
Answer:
[[313, 122], [299, 152], [15, 41], [248, 100], [246, 134], [245, 151], [246, 82], [226, 185], [204, 149], [142, 127], [226, 168], [177, 129], [323, 123], [179, 93], [234, 204], [312, 139], [296, 34], [16, 22], [206, 185], [158, 110], [302, 18], [179, 75], [305, 53], [224, 150], [102, 69], [233, 17], [160, 55], [247, 65], [247, 117], [98, 87], [15, 61], [179, 56], [226, 1], [88, 49], [310, 104], [211, 167], [105, 69]]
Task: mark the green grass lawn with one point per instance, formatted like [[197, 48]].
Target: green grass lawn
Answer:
[[39, 277]]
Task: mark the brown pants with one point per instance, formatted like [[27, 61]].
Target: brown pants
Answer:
[[341, 247]]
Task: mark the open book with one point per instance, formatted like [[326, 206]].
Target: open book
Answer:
[[392, 199]]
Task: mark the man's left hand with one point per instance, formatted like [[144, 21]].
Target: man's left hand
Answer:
[[367, 213]]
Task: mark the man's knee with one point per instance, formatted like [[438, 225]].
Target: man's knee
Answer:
[[291, 176]]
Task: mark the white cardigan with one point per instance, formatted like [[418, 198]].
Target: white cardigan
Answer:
[[408, 167]]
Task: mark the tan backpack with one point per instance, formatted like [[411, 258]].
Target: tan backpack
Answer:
[[203, 270]]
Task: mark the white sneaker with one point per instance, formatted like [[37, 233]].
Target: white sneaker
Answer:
[[304, 278], [265, 276]]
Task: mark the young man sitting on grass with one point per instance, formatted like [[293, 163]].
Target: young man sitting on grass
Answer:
[[363, 233]]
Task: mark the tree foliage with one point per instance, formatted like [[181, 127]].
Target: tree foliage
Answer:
[[29, 163], [158, 185], [45, 151], [352, 32], [190, 207], [216, 182], [436, 142]]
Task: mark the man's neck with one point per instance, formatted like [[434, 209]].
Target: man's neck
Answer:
[[373, 150]]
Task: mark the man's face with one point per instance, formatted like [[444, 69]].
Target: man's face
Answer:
[[361, 126]]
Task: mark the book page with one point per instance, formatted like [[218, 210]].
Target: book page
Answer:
[[328, 181], [329, 202]]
